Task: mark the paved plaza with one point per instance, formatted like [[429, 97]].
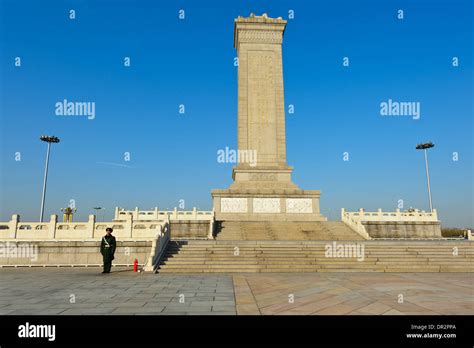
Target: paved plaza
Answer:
[[69, 291]]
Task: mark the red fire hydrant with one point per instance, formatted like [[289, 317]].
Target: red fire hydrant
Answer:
[[135, 265]]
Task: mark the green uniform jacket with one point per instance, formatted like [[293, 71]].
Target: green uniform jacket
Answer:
[[107, 247]]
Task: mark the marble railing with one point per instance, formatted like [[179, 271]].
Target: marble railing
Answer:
[[379, 215], [174, 215], [389, 221], [122, 229], [354, 223], [158, 249], [156, 214]]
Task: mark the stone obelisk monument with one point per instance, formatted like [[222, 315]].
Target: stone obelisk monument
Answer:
[[262, 189]]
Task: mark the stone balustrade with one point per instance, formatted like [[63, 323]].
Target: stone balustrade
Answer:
[[127, 224], [412, 223], [157, 214], [397, 215], [126, 228], [353, 222], [184, 223], [158, 249]]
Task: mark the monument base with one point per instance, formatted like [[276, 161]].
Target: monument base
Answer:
[[265, 194], [290, 205]]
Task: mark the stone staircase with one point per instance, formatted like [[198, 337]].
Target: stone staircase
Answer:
[[324, 230], [198, 256]]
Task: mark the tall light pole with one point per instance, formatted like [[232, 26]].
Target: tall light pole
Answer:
[[426, 146], [50, 140]]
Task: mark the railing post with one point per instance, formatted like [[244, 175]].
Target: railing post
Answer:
[[13, 225], [129, 226], [211, 229], [91, 226], [194, 213], [52, 226]]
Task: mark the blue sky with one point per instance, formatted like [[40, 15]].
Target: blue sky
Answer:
[[190, 62]]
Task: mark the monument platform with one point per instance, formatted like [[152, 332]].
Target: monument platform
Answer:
[[266, 204]]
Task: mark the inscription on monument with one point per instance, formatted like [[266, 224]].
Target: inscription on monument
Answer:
[[263, 177], [261, 105], [259, 36]]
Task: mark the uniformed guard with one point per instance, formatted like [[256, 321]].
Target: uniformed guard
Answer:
[[107, 249]]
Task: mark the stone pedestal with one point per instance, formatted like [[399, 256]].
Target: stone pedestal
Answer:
[[267, 205], [262, 190]]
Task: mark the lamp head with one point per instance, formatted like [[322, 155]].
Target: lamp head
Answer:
[[49, 139], [424, 146]]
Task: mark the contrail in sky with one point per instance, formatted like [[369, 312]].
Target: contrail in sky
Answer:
[[115, 164]]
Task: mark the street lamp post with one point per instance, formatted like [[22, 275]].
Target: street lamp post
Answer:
[[50, 140], [97, 209], [425, 147]]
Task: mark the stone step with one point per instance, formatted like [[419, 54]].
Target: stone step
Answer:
[[289, 244], [322, 257], [333, 230], [312, 270], [281, 263], [367, 246], [319, 253], [297, 270], [341, 265], [311, 261], [318, 256], [393, 242]]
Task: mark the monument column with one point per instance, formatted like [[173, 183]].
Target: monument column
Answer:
[[261, 113]]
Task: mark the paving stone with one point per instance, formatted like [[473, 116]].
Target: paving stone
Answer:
[[145, 310], [176, 309], [248, 309], [223, 308], [121, 304], [219, 313], [87, 311]]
